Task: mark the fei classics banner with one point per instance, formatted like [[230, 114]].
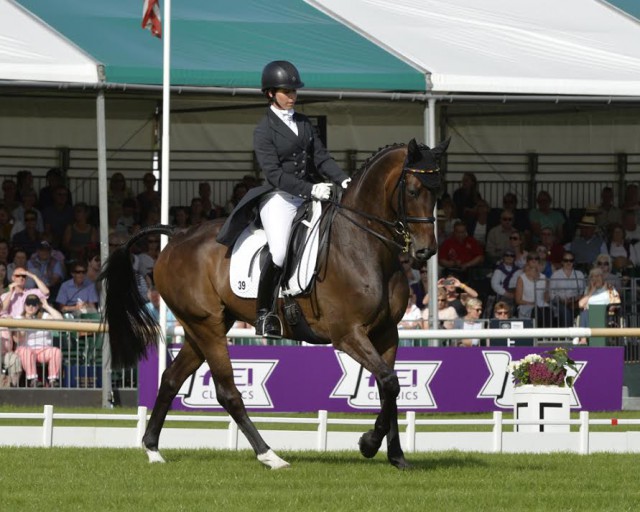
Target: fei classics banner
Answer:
[[291, 379]]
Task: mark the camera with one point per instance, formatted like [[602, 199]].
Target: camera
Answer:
[[449, 282]]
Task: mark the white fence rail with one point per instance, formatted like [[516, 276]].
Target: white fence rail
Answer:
[[321, 437]]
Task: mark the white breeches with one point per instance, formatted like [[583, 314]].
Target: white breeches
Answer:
[[277, 212]]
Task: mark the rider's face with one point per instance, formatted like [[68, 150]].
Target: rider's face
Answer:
[[285, 98]]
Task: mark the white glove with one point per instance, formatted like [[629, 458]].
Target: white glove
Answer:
[[345, 183], [321, 191]]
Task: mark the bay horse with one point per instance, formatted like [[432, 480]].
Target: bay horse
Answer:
[[357, 304]]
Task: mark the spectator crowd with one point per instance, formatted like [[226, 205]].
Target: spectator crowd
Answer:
[[535, 264]]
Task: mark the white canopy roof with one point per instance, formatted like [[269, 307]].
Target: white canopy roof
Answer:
[[576, 47], [31, 50]]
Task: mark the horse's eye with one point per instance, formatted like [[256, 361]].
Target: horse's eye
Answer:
[[413, 192]]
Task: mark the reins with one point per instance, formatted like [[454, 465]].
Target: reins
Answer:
[[399, 226]]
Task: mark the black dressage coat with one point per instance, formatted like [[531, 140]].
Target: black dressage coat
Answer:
[[291, 163]]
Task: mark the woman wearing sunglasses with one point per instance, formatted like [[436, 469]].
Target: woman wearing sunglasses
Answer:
[[36, 346]]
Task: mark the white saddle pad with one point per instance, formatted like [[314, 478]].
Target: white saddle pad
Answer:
[[244, 271]]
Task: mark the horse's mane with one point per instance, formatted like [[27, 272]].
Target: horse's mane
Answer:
[[375, 157]]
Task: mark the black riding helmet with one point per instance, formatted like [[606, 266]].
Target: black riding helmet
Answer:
[[280, 74]]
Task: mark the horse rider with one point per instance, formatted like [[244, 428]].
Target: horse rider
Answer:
[[297, 167]]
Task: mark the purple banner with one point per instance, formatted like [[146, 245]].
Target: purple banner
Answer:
[[299, 379]]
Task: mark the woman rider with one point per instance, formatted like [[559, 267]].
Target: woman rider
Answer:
[[294, 162]]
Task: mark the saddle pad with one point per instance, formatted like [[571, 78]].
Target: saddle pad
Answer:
[[244, 270]]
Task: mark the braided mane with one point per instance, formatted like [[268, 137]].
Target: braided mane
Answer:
[[376, 156]]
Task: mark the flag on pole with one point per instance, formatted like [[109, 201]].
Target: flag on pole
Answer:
[[151, 17]]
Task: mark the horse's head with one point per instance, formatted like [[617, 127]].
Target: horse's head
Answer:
[[419, 186]]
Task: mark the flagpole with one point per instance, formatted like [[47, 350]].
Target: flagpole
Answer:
[[164, 169]]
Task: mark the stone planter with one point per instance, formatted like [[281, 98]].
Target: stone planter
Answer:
[[541, 403]]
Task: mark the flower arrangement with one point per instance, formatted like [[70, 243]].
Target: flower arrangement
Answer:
[[548, 369]]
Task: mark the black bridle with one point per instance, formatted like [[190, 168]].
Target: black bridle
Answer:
[[400, 226]]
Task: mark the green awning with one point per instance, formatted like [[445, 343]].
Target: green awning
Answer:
[[226, 44]]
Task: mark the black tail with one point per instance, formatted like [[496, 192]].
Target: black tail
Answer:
[[131, 326]]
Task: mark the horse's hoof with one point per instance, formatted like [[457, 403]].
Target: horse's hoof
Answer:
[[401, 464], [154, 456], [270, 459], [368, 444]]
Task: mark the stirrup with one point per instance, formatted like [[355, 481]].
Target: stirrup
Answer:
[[269, 326]]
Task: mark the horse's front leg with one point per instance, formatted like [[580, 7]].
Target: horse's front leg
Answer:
[[186, 362], [361, 348]]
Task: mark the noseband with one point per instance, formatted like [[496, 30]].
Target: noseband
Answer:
[[401, 226]]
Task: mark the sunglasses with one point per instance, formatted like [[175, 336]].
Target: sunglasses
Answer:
[[78, 271], [568, 260], [24, 276], [32, 303]]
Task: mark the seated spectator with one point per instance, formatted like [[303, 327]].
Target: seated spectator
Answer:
[[516, 243], [504, 277], [152, 218], [466, 197], [446, 313], [209, 209], [24, 184], [8, 226], [554, 248], [29, 238], [607, 213], [58, 216], [153, 306], [598, 292], [603, 262], [78, 295], [472, 321], [501, 310], [623, 254], [46, 197], [4, 252], [28, 204], [447, 218], [80, 234], [116, 195], [455, 298], [4, 277], [181, 219], [36, 346], [478, 227], [631, 200], [10, 195], [532, 293], [126, 221], [498, 239], [13, 300], [47, 267], [239, 191], [18, 259], [10, 360], [406, 262], [520, 217], [412, 318], [460, 252], [421, 288], [196, 212], [544, 262], [631, 226], [545, 217], [566, 286], [94, 266], [588, 244], [148, 197], [147, 259]]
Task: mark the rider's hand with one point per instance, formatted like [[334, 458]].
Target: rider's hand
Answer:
[[321, 191], [345, 183]]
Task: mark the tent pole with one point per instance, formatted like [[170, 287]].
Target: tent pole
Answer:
[[164, 171], [107, 394], [430, 139]]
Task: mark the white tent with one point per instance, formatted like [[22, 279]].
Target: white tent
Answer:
[[42, 56], [568, 47]]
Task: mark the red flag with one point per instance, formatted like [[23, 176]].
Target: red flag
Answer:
[[151, 17]]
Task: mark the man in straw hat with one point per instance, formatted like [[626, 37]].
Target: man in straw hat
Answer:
[[588, 244]]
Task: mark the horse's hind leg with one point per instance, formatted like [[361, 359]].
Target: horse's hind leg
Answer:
[[186, 362], [217, 355]]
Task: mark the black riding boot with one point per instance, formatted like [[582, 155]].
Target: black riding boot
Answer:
[[267, 322]]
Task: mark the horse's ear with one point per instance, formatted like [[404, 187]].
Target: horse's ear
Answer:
[[440, 148], [413, 151]]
